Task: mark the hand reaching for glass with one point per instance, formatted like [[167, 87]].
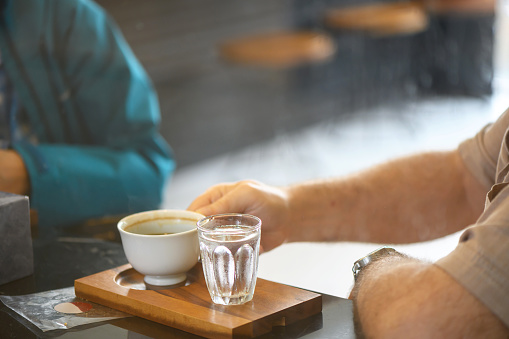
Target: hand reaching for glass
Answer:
[[269, 203]]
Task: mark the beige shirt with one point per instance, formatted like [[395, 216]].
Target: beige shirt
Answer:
[[481, 261]]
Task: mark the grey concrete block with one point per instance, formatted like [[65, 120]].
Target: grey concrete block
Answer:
[[16, 252]]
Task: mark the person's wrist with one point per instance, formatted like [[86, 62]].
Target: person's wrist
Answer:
[[373, 264], [379, 254]]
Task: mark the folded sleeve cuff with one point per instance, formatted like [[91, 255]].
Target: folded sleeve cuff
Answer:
[[480, 263]]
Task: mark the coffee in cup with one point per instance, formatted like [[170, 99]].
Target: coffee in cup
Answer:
[[162, 244]]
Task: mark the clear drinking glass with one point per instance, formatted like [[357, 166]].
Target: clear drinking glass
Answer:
[[229, 246]]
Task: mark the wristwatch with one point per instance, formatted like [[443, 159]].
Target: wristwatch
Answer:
[[373, 256]]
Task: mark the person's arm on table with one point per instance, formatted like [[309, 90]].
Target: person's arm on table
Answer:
[[13, 173], [393, 202], [401, 297]]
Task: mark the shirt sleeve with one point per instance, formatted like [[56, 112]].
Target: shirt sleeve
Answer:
[[481, 152], [480, 262]]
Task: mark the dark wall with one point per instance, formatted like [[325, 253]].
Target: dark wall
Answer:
[[210, 107]]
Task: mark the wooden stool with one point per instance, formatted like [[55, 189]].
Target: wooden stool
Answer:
[[279, 49], [461, 6], [380, 19]]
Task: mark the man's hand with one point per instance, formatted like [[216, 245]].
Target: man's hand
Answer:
[[398, 297], [268, 203], [13, 173]]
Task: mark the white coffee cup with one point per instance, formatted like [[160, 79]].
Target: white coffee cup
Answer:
[[162, 244]]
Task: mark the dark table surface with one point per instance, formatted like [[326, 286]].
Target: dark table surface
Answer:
[[62, 255]]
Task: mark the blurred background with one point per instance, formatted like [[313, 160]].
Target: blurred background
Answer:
[[233, 73], [289, 90]]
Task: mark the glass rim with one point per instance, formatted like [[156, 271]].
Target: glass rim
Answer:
[[202, 222]]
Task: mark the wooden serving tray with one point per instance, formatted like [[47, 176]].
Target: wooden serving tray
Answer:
[[188, 307]]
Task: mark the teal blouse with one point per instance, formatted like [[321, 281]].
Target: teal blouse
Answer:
[[92, 108]]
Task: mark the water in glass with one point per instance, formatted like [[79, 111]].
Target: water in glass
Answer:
[[230, 262]]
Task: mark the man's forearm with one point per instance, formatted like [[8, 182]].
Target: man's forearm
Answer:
[[394, 202], [401, 297]]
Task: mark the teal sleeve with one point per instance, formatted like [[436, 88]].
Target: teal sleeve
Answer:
[[82, 182], [116, 161]]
